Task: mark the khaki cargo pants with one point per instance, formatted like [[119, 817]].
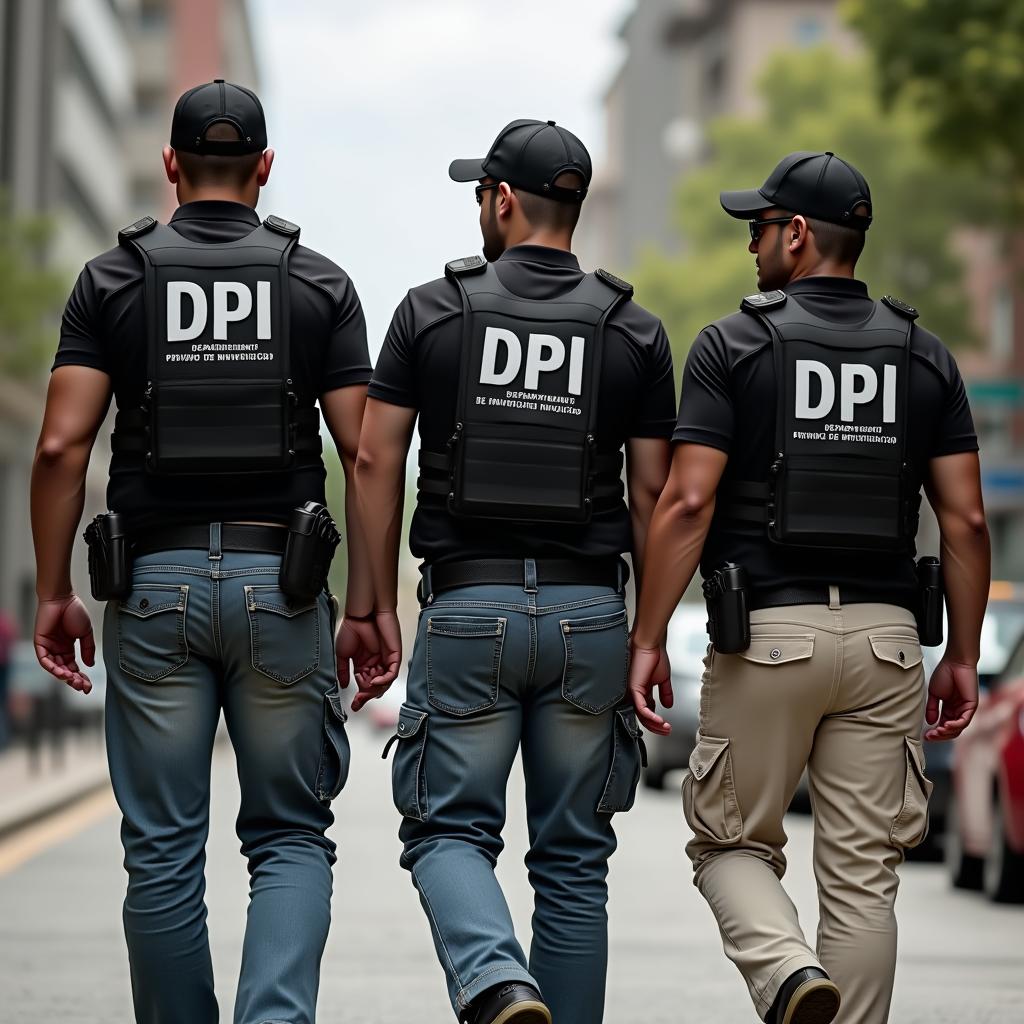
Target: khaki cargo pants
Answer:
[[838, 690]]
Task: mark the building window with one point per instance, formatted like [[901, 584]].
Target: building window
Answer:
[[809, 30]]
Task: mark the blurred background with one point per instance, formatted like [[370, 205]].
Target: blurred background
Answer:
[[366, 106]]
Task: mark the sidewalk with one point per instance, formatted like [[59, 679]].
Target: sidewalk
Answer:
[[32, 787]]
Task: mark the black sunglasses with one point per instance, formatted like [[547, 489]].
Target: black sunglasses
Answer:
[[757, 226], [481, 189]]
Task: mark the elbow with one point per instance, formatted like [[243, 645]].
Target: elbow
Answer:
[[52, 450], [975, 524], [692, 508], [364, 463]]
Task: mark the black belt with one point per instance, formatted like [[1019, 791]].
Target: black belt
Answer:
[[263, 540], [780, 596], [604, 572]]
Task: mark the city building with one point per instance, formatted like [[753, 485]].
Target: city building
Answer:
[[686, 62]]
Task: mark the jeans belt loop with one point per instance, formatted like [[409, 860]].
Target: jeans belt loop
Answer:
[[215, 542], [529, 576], [426, 586]]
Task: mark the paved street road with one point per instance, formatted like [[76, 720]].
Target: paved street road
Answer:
[[62, 954]]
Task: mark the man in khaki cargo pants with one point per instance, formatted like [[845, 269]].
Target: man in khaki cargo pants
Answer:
[[809, 423]]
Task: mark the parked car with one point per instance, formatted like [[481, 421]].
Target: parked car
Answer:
[[687, 641], [1002, 629], [985, 847]]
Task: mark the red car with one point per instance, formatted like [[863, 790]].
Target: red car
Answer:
[[985, 847]]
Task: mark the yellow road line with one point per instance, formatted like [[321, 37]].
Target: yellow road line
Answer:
[[35, 839]]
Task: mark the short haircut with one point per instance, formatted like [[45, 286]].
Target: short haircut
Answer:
[[838, 242], [552, 213], [215, 169]]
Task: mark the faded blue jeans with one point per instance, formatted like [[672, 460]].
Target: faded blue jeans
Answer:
[[496, 668], [202, 632]]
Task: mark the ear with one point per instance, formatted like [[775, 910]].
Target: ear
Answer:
[[506, 200], [263, 167], [798, 233], [170, 165]]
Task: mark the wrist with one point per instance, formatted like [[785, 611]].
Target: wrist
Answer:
[[42, 597]]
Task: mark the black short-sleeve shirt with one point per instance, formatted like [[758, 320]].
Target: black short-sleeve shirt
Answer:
[[418, 367], [729, 402], [104, 328]]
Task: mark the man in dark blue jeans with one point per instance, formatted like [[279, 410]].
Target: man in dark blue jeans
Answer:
[[217, 335], [528, 377]]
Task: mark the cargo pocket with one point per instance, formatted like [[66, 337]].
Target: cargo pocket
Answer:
[[910, 826], [284, 634], [596, 661], [408, 781], [709, 792], [335, 752], [151, 641], [463, 662], [903, 651], [779, 648], [628, 757]]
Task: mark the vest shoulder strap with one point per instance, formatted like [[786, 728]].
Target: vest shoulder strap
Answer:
[[465, 266], [133, 231], [899, 306], [615, 282], [761, 302], [282, 226]]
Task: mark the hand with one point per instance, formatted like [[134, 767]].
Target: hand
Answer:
[[59, 623], [375, 683], [648, 669], [359, 642], [955, 685]]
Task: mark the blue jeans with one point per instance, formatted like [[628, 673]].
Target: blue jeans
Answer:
[[495, 668], [202, 632]]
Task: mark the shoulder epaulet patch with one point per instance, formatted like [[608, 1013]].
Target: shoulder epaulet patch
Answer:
[[760, 301], [140, 227], [615, 282], [466, 265], [901, 307], [282, 226]]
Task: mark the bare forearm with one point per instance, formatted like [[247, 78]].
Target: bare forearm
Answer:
[[359, 596], [641, 509], [57, 498], [381, 493], [966, 572], [674, 544]]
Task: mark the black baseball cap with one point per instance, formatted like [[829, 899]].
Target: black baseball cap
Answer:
[[530, 155], [818, 185], [214, 103]]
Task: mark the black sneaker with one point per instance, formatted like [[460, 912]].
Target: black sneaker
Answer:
[[515, 1003], [806, 997]]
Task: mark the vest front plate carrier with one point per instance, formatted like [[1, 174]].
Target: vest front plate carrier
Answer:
[[219, 396], [524, 445], [840, 477]]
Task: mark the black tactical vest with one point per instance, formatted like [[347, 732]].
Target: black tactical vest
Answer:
[[219, 393], [524, 444], [840, 477]]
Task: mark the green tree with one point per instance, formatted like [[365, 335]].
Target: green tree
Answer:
[[961, 65], [30, 296], [816, 100]]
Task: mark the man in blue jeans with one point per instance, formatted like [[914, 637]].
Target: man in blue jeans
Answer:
[[208, 332], [528, 377]]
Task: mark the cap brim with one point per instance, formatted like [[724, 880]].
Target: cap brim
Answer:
[[743, 203], [467, 170]]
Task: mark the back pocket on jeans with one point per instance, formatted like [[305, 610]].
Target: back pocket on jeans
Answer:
[[285, 634], [151, 641], [596, 661], [464, 662]]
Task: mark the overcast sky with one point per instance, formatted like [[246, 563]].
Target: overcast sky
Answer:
[[367, 103]]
